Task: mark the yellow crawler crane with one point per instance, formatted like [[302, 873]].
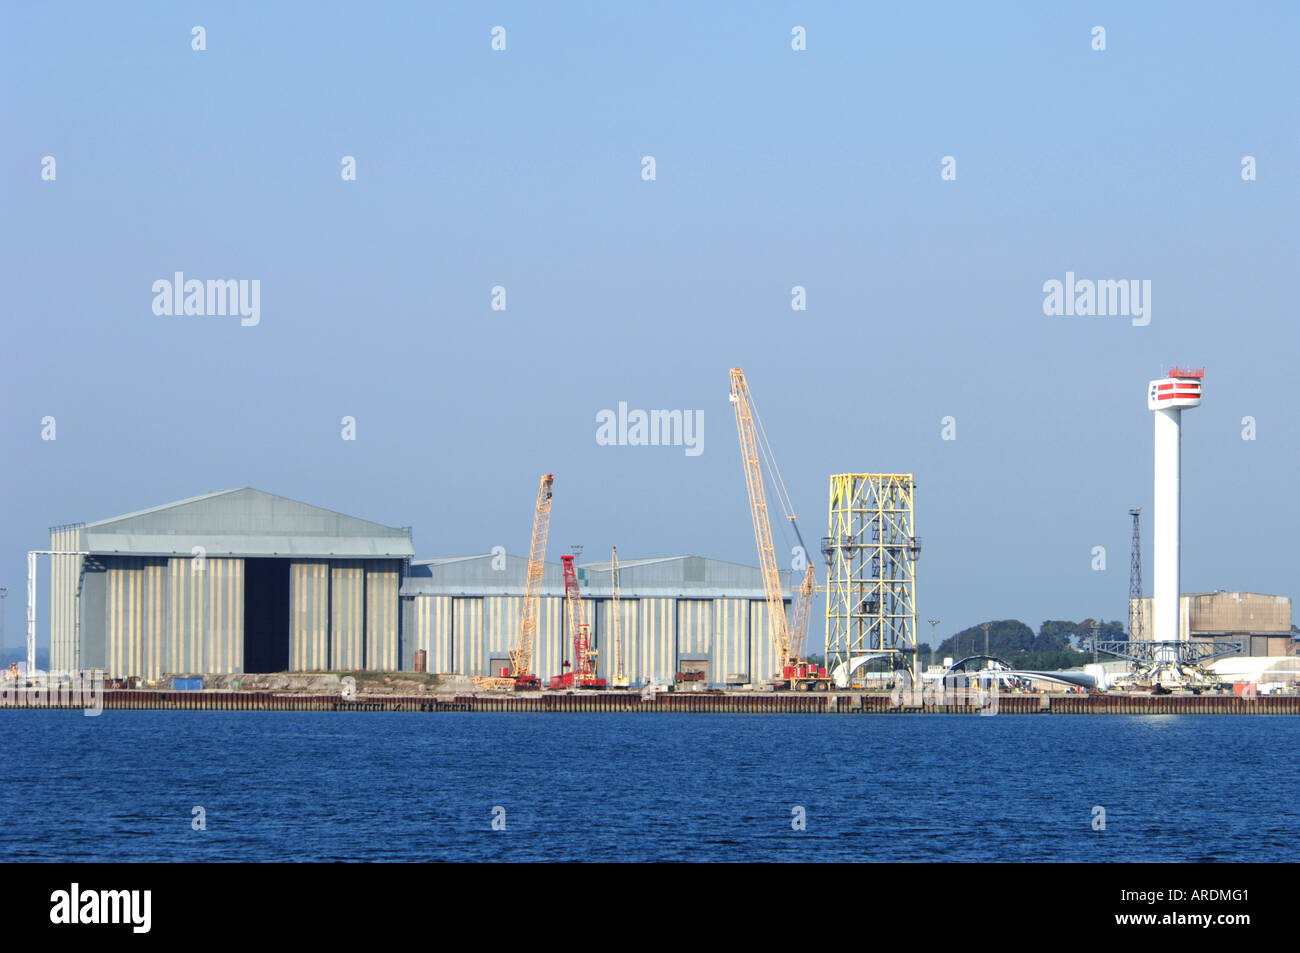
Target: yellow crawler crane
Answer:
[[792, 670], [521, 656], [620, 679]]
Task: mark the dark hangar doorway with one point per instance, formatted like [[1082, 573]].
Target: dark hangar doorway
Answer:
[[266, 615]]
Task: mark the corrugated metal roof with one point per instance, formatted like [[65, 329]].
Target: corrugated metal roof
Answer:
[[246, 522], [689, 577]]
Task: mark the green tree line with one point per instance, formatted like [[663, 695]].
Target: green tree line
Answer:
[[1057, 643]]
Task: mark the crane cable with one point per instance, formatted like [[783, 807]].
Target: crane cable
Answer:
[[774, 473]]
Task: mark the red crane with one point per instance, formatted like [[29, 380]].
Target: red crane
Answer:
[[582, 674]]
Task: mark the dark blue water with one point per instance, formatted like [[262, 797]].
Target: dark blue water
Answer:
[[303, 786]]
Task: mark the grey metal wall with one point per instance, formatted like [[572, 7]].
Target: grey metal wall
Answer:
[[694, 627], [482, 628], [215, 604], [656, 648], [462, 635], [175, 615], [382, 580], [467, 636], [347, 614], [1226, 613], [603, 613], [730, 651], [196, 610], [309, 615], [1239, 612], [65, 572], [762, 651], [428, 627], [91, 614]]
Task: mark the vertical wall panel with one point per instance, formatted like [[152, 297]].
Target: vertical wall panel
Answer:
[[656, 652], [156, 616], [548, 652], [730, 654], [222, 637], [467, 637], [347, 614], [502, 615], [630, 611], [182, 635], [605, 662], [309, 616], [65, 573], [186, 610], [201, 597], [139, 616], [762, 652], [381, 617], [431, 622], [694, 627], [121, 628], [90, 619]]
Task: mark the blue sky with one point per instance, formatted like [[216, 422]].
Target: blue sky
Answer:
[[775, 168]]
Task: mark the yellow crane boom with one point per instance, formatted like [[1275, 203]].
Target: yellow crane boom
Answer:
[[616, 624], [521, 656], [750, 456]]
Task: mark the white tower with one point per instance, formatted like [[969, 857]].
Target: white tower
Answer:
[[1167, 397]]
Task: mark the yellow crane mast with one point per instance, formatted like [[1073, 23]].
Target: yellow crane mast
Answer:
[[620, 679], [751, 456], [755, 451], [521, 656]]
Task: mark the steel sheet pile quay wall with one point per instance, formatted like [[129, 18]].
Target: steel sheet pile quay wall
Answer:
[[667, 703]]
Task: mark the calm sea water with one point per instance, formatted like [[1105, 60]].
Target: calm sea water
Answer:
[[308, 786]]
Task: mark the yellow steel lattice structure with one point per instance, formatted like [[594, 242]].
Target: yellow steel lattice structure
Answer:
[[871, 549], [620, 679], [750, 450], [521, 656]]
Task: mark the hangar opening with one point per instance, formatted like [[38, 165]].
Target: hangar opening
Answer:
[[266, 615]]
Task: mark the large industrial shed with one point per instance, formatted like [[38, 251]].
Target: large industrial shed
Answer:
[[234, 581], [465, 613], [1260, 623]]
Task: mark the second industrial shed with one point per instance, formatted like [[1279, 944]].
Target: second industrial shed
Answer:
[[465, 613]]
